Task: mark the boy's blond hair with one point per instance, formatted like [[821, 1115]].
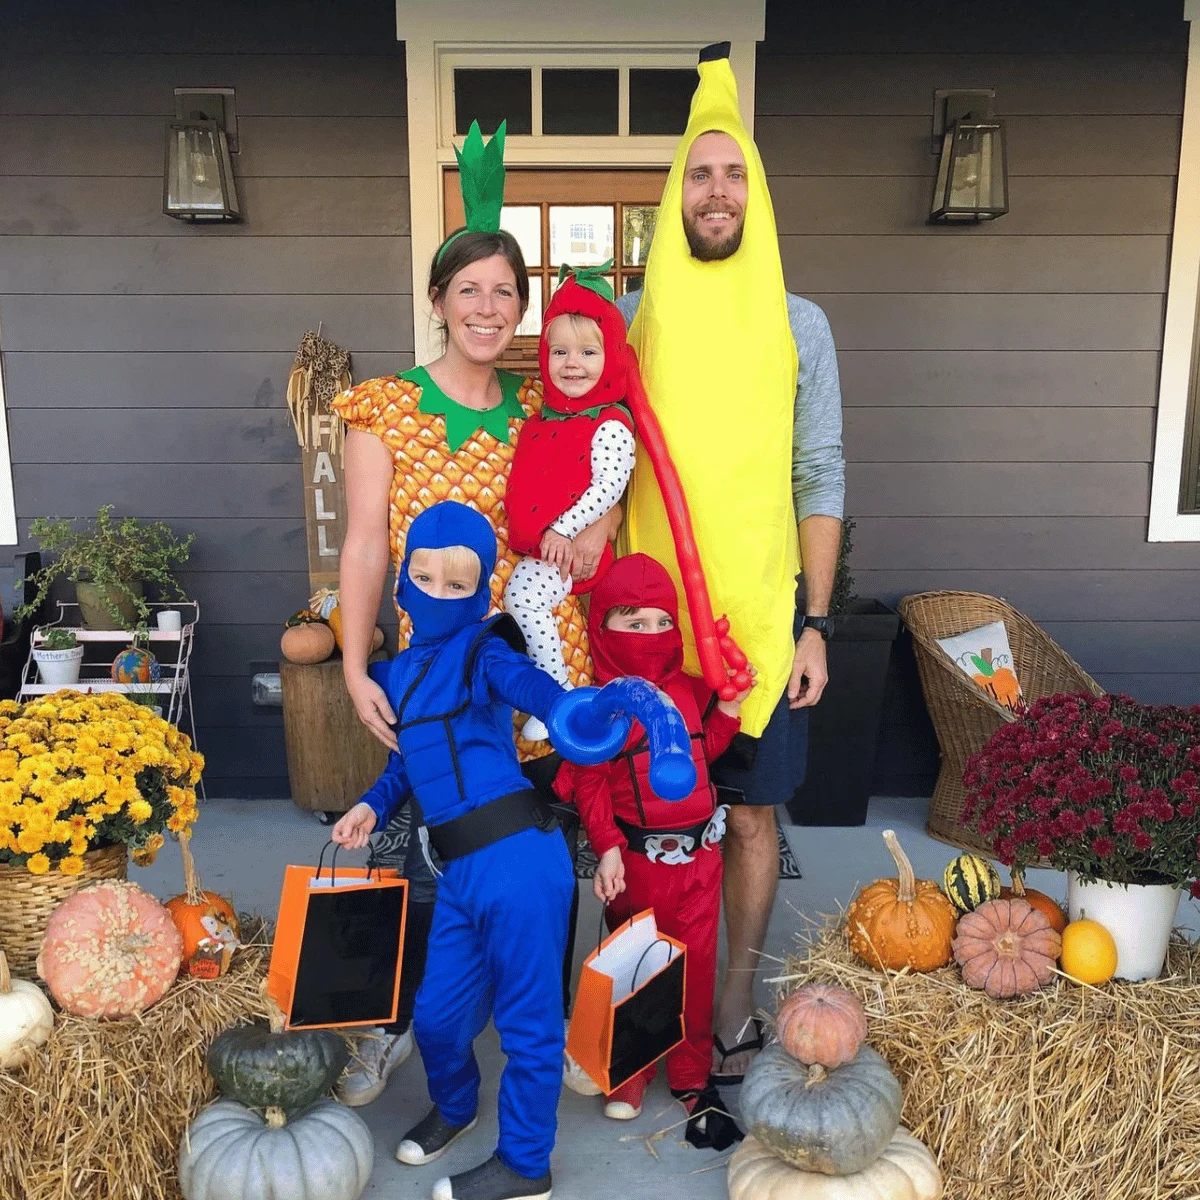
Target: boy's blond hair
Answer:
[[456, 558]]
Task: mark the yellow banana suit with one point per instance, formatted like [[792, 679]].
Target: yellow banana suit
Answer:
[[719, 364]]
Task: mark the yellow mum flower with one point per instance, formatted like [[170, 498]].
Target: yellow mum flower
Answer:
[[29, 841], [177, 823], [155, 842], [71, 866], [140, 812], [37, 864]]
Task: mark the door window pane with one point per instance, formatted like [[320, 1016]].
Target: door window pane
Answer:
[[581, 235], [579, 102], [659, 100], [524, 222], [637, 233], [490, 95], [632, 283], [531, 324]]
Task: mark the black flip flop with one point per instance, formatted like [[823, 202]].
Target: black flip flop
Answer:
[[754, 1043]]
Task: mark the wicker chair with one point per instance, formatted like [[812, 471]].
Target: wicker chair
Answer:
[[964, 716]]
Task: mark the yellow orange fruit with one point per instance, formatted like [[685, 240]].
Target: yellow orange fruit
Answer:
[[1089, 954]]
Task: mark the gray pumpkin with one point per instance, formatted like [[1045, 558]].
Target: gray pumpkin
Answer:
[[832, 1122], [264, 1066], [231, 1153]]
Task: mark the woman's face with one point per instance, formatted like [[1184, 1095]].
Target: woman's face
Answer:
[[481, 309]]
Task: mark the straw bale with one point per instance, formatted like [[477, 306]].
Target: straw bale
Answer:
[[99, 1112], [1073, 1093]]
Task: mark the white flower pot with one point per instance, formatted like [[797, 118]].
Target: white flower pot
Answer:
[[1139, 917], [60, 667]]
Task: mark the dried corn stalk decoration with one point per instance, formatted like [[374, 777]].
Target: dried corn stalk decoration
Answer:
[[320, 372]]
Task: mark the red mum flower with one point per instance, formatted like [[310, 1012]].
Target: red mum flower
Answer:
[[1127, 774], [1142, 840], [1196, 889], [1103, 846]]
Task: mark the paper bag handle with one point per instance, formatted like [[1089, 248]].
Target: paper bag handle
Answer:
[[657, 942], [372, 862], [600, 929]]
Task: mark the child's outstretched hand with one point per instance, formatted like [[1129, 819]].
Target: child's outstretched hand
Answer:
[[733, 708], [355, 828], [609, 881], [557, 549]]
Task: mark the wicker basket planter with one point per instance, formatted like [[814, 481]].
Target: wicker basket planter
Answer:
[[27, 900], [963, 715]]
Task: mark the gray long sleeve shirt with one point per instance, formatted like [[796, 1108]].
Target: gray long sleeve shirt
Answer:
[[818, 466]]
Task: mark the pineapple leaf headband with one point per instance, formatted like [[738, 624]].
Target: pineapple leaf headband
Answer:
[[481, 178], [591, 278]]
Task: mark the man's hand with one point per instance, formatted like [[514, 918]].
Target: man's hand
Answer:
[[355, 828], [557, 550], [371, 703], [810, 671], [609, 881]]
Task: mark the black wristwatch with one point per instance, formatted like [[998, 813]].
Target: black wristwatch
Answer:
[[823, 625]]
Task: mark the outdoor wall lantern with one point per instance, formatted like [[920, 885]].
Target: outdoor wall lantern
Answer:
[[198, 183], [972, 175]]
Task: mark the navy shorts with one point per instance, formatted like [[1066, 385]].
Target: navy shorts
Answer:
[[768, 769]]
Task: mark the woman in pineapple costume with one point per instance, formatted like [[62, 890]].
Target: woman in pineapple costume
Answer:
[[446, 431]]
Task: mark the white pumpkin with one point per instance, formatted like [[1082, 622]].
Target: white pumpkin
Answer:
[[26, 1018], [231, 1153], [904, 1171]]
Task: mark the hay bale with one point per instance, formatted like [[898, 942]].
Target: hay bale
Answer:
[[99, 1112], [1075, 1093]]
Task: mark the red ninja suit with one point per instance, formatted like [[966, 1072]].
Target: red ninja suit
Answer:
[[552, 465], [685, 895]]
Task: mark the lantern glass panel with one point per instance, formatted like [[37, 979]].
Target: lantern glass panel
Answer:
[[972, 181], [199, 182]]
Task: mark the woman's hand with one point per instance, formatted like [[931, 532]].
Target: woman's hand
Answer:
[[588, 546], [609, 881], [371, 704], [557, 550], [355, 828]]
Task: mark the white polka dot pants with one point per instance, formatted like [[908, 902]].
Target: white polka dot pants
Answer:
[[534, 591]]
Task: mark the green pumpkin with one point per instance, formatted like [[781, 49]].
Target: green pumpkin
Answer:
[[262, 1066], [828, 1122], [970, 881]]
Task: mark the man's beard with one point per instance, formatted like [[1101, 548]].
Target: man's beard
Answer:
[[704, 250]]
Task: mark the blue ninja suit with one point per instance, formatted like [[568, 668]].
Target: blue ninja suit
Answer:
[[500, 923]]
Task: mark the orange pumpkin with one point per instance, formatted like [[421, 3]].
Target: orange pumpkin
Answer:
[[903, 922], [307, 643], [1006, 948], [110, 950], [206, 922], [821, 1024], [1046, 905]]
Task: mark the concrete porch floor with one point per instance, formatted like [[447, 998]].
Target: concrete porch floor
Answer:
[[241, 848]]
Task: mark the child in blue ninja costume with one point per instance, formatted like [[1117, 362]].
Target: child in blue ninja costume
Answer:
[[504, 897]]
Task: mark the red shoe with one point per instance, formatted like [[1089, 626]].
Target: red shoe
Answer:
[[626, 1102]]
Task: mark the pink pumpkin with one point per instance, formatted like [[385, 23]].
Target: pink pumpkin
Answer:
[[821, 1024], [110, 950]]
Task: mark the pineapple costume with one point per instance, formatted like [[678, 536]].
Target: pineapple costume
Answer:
[[718, 360], [442, 450]]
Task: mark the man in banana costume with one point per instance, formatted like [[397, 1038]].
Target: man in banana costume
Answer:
[[743, 378]]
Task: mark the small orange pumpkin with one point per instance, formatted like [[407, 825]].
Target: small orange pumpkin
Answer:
[[206, 922], [307, 643], [903, 922], [821, 1024], [1046, 905]]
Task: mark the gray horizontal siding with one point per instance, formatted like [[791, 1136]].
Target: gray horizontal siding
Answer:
[[146, 361]]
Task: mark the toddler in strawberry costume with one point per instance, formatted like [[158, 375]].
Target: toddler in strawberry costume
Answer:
[[572, 462], [653, 853]]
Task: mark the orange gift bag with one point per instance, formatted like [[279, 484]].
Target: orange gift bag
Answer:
[[339, 943], [629, 1004]]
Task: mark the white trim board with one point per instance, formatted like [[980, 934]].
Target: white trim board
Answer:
[[438, 32], [1167, 523], [8, 506]]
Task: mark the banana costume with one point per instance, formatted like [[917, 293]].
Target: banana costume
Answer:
[[719, 363]]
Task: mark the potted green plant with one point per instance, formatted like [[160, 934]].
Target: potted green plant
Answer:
[[147, 697], [59, 656], [843, 729], [109, 560]]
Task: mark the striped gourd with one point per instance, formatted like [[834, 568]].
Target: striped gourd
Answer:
[[969, 881]]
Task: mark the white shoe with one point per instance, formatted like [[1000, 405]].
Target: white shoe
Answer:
[[619, 1110], [576, 1078], [378, 1055], [535, 730]]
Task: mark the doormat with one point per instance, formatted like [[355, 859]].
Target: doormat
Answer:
[[391, 849]]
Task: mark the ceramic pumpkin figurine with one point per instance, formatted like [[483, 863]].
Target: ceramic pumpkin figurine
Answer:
[[903, 922], [26, 1018], [206, 922], [110, 950], [1007, 948], [821, 1024], [135, 665], [998, 681], [1046, 905]]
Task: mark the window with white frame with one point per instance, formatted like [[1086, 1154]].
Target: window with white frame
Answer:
[[1175, 481]]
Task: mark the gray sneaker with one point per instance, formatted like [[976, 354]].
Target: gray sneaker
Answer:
[[378, 1055], [492, 1180]]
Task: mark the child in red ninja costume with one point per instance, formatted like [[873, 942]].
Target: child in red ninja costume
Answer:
[[572, 462], [655, 854]]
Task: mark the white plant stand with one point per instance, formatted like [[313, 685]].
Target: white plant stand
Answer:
[[171, 647]]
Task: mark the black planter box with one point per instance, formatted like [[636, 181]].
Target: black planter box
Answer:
[[843, 729]]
